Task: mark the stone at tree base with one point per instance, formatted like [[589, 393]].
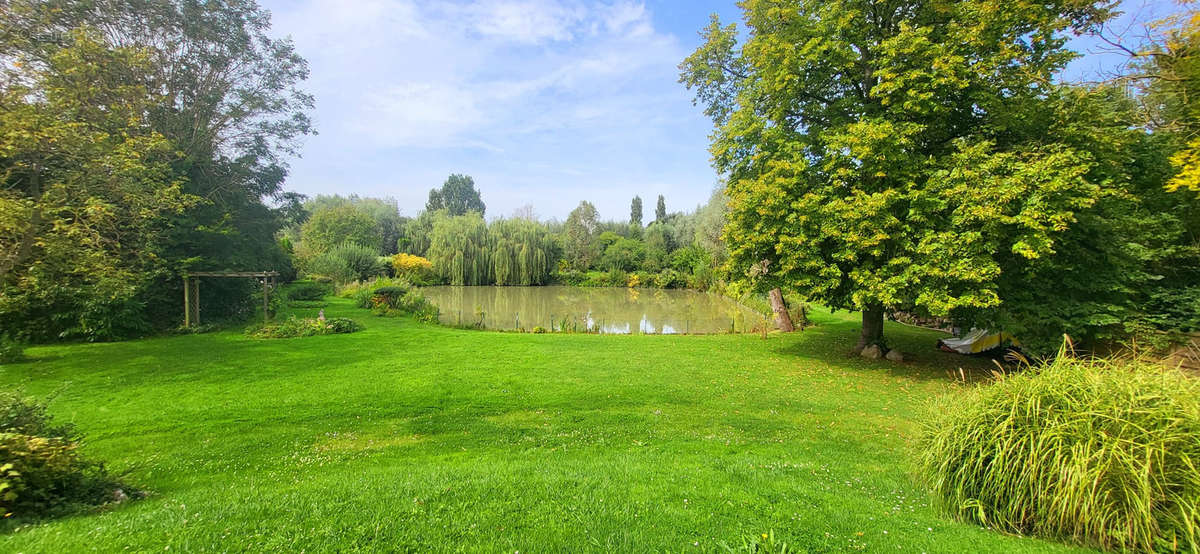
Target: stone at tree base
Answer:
[[895, 356], [872, 352]]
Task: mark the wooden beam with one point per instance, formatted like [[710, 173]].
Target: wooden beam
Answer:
[[233, 274], [187, 302]]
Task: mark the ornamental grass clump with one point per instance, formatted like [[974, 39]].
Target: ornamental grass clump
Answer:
[[1105, 453]]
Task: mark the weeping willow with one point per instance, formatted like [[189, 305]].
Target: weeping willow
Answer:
[[523, 252], [465, 250]]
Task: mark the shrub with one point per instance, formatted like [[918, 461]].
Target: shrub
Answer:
[[41, 470], [353, 288], [11, 350], [416, 269], [328, 266], [1101, 452], [308, 290], [395, 300], [362, 261], [296, 327], [25, 416]]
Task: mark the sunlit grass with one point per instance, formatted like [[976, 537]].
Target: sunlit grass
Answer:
[[407, 436]]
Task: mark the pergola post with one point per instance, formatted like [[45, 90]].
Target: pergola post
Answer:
[[187, 302], [266, 283], [191, 291], [196, 301]]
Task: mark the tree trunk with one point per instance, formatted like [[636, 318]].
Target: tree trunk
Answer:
[[872, 327], [782, 320]]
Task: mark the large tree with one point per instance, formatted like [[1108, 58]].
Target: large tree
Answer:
[[635, 212], [884, 154], [457, 196], [228, 100], [85, 185], [578, 247]]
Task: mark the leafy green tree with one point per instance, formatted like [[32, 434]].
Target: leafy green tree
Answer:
[[1168, 74], [329, 227], [624, 255], [884, 155], [523, 252], [228, 99], [709, 223], [578, 245], [457, 196], [85, 185], [635, 212], [660, 210], [458, 249], [660, 242], [385, 211], [415, 233]]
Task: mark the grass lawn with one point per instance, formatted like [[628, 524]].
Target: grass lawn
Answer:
[[414, 437]]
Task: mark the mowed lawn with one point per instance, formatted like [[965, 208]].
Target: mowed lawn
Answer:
[[414, 437]]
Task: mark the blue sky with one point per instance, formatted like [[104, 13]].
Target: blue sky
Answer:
[[543, 103]]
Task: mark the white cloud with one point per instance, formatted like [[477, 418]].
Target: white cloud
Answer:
[[408, 90], [525, 21]]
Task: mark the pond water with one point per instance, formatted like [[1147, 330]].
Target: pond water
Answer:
[[603, 310]]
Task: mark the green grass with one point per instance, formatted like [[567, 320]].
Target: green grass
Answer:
[[408, 436]]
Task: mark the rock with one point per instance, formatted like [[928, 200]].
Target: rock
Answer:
[[119, 496], [895, 356], [872, 352]]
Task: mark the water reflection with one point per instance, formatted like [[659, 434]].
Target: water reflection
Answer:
[[604, 310]]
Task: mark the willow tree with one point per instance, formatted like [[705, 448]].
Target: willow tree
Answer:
[[852, 134], [458, 249], [522, 252]]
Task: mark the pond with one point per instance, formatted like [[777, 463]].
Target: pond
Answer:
[[602, 310]]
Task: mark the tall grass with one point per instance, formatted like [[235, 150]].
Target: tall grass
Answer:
[[1100, 452]]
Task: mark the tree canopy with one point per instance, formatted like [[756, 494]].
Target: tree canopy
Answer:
[[457, 196], [894, 155]]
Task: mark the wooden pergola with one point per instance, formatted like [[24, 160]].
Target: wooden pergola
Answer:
[[191, 291]]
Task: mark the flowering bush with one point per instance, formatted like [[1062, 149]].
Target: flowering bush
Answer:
[[414, 268]]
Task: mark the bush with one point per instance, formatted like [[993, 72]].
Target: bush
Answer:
[[354, 288], [41, 470], [11, 350], [307, 327], [25, 416], [395, 300], [415, 269], [308, 290], [1101, 452], [329, 267]]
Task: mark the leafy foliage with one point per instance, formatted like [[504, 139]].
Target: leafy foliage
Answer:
[[399, 299], [85, 184], [294, 327], [849, 141], [416, 269], [578, 247], [308, 290], [176, 161], [41, 470], [1100, 452], [11, 350], [457, 197], [328, 228]]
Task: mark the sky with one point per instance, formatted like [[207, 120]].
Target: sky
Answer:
[[543, 103]]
